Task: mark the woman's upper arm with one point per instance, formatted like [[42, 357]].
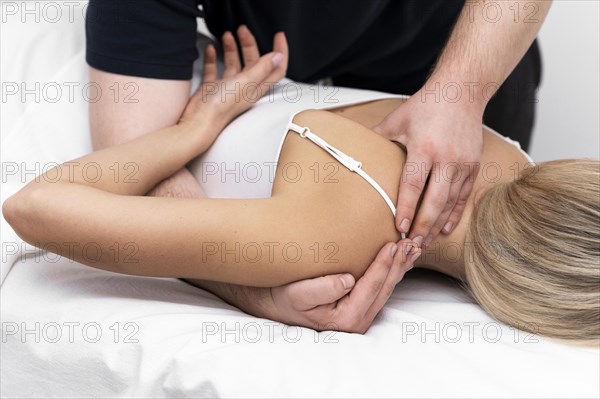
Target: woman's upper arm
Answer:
[[201, 238], [126, 234]]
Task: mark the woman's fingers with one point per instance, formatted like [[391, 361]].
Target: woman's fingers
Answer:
[[255, 66], [260, 73], [209, 71], [279, 70], [280, 46], [250, 51], [231, 56], [257, 79]]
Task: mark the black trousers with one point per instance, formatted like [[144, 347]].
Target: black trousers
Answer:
[[511, 111]]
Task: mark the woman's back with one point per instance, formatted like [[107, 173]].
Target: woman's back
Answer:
[[347, 210], [339, 208]]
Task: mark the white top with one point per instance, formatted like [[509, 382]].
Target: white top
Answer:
[[242, 161]]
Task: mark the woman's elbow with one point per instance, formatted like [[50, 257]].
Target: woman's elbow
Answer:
[[20, 209], [11, 210]]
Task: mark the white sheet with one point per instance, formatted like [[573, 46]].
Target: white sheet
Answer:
[[189, 343]]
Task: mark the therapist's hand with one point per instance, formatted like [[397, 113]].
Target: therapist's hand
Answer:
[[337, 302], [444, 142], [333, 302]]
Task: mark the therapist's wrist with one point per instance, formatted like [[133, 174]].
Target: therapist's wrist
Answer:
[[256, 301], [467, 96]]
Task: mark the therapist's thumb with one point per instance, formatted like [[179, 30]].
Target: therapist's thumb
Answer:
[[392, 125], [321, 290]]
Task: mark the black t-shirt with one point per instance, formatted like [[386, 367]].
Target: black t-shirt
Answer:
[[363, 43]]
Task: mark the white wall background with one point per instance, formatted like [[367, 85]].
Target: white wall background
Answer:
[[567, 123]]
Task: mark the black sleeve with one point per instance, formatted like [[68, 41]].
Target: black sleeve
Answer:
[[147, 38]]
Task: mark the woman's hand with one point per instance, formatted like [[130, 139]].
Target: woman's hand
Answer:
[[222, 100]]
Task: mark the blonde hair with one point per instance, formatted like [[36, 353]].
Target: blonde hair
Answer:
[[533, 250]]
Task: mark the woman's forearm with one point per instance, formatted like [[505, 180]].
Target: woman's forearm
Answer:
[[135, 167]]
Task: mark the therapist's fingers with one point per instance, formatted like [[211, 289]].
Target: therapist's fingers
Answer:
[[455, 189], [337, 302], [403, 261], [209, 70], [250, 51], [367, 288], [231, 56], [436, 199], [461, 202], [308, 294], [412, 182]]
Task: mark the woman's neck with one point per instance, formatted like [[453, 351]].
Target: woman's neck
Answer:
[[447, 252], [452, 269]]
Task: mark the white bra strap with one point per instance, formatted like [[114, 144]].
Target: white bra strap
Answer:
[[346, 160]]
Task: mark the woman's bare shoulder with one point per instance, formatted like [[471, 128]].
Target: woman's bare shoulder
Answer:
[[335, 205]]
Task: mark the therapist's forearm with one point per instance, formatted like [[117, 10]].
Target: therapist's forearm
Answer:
[[487, 42]]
